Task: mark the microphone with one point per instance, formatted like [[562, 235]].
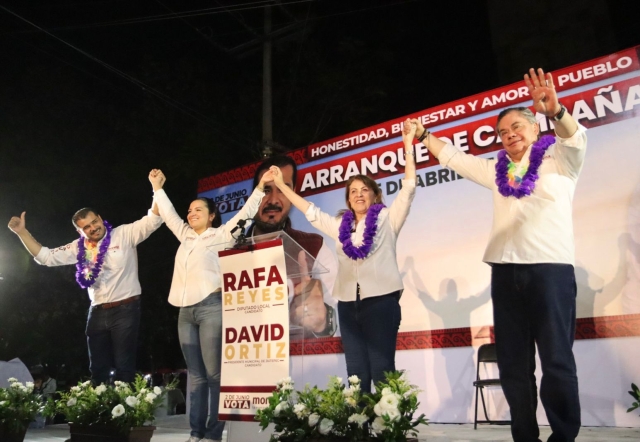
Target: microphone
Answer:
[[241, 239], [240, 225]]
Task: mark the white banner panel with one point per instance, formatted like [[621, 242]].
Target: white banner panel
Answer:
[[446, 305], [255, 327]]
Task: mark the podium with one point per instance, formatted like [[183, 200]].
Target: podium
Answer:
[[267, 281]]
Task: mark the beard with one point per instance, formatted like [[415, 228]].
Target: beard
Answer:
[[97, 234], [261, 227]]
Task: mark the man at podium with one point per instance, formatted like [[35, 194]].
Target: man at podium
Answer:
[[312, 311]]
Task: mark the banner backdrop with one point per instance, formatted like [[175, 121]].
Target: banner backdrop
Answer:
[[255, 327], [446, 303]]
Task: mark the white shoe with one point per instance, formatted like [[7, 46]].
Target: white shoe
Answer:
[[194, 439], [210, 440]]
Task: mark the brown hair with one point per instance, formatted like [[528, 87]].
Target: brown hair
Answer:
[[370, 183]]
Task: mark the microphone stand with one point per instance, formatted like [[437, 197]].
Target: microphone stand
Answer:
[[241, 239]]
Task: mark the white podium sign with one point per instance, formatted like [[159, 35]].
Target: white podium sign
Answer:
[[255, 327]]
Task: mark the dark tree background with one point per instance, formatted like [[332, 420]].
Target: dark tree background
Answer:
[[94, 94]]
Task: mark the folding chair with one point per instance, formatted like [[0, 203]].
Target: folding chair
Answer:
[[486, 355]]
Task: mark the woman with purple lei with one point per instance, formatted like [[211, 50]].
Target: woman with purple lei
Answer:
[[368, 286], [531, 254]]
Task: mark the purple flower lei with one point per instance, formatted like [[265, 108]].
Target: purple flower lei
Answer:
[[529, 179], [83, 266], [370, 228]]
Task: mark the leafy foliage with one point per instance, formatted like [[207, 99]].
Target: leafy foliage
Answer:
[[19, 405], [393, 404], [343, 413], [635, 393], [121, 405]]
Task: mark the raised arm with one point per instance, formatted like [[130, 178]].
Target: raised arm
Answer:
[[408, 134], [157, 179], [474, 168], [300, 203], [433, 143], [545, 101], [60, 256], [253, 202], [18, 226], [266, 177], [157, 173], [138, 231], [165, 207]]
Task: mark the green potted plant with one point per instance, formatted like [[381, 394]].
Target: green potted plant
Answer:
[[110, 413], [342, 413], [19, 405]]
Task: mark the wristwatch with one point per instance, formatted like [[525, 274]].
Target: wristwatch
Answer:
[[559, 115], [332, 323]]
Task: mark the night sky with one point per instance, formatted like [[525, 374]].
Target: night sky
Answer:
[[94, 94]]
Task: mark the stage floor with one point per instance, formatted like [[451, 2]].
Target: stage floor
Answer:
[[175, 429]]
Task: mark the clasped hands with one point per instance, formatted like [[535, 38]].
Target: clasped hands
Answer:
[[157, 179]]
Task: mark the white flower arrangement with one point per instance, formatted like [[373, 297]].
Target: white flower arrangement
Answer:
[[359, 419], [378, 426], [393, 405], [19, 405], [281, 407], [325, 426], [314, 418], [118, 411], [341, 412], [132, 401], [300, 410], [122, 405]]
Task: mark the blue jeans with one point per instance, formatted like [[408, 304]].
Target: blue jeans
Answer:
[[536, 304], [112, 338], [200, 333], [369, 329]]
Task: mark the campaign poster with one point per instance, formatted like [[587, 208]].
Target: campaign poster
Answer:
[[255, 328]]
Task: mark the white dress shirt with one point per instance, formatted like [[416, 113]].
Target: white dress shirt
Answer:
[[118, 278], [537, 228], [378, 273], [196, 273]]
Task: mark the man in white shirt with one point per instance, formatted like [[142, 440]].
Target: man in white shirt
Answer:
[[531, 252], [107, 265], [312, 309]]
